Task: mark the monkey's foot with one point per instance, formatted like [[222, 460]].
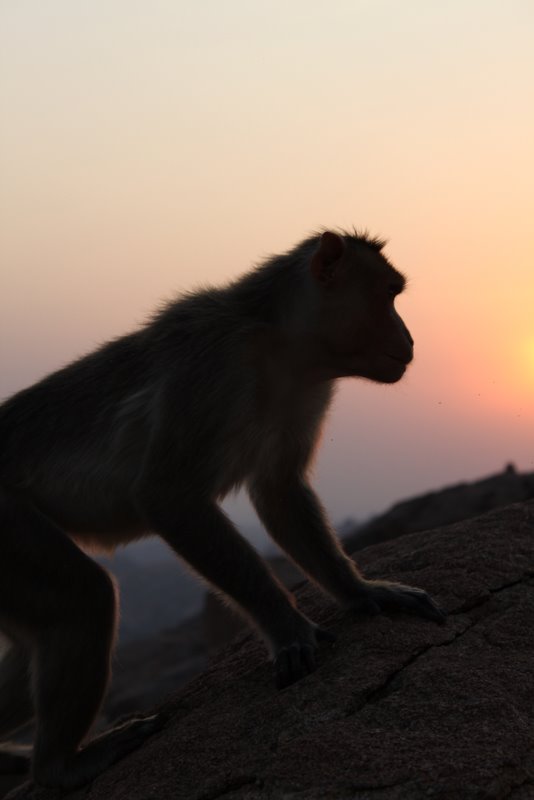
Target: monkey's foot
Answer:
[[28, 791], [380, 596], [16, 762], [297, 659], [128, 734], [31, 791], [97, 756], [14, 765]]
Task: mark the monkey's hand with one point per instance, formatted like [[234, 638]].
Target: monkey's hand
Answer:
[[295, 659], [376, 596]]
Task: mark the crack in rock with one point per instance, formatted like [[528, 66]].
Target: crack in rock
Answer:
[[376, 694], [474, 602], [381, 691]]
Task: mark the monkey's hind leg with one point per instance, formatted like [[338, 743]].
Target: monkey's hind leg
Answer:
[[64, 605], [16, 709], [59, 759]]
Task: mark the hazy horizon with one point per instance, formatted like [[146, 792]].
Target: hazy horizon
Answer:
[[148, 149]]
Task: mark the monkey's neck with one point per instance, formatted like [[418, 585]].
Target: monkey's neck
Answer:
[[296, 359]]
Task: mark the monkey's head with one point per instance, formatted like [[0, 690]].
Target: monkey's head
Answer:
[[360, 332]]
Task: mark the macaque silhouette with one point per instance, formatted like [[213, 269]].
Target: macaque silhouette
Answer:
[[224, 387]]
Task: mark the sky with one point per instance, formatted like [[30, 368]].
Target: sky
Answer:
[[150, 147]]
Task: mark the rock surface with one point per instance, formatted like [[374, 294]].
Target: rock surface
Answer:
[[147, 669], [399, 708]]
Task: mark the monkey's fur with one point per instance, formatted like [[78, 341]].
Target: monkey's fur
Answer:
[[223, 387]]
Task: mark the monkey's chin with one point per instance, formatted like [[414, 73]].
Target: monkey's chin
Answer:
[[389, 370], [389, 378]]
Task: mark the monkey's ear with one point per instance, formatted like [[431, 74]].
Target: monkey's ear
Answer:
[[323, 262]]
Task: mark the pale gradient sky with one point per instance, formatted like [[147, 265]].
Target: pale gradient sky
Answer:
[[150, 146]]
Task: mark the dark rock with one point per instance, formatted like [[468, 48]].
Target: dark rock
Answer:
[[155, 595], [399, 708]]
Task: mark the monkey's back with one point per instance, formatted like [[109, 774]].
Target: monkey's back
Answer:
[[77, 439], [76, 442]]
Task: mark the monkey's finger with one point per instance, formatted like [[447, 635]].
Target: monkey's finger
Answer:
[[418, 602], [430, 609], [368, 605], [282, 668], [296, 665], [308, 655], [293, 663]]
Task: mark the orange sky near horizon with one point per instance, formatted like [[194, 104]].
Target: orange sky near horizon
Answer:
[[150, 147]]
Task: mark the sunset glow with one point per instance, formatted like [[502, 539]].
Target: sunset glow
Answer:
[[527, 358], [148, 148]]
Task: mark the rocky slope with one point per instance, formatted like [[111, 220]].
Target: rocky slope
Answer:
[[146, 669], [399, 708]]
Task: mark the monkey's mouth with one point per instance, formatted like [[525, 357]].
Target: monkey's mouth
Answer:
[[398, 359]]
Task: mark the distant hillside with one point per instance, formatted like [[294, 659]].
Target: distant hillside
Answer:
[[154, 595], [444, 506]]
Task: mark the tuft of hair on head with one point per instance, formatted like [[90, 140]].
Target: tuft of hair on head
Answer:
[[364, 237], [357, 235]]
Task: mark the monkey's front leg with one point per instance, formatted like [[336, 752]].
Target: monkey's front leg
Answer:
[[296, 520], [202, 535]]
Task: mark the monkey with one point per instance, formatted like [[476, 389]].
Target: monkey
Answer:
[[222, 388]]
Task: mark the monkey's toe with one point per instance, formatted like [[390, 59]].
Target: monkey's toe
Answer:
[[133, 732], [293, 663], [367, 605], [419, 602], [323, 635], [427, 607], [407, 598], [13, 763]]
